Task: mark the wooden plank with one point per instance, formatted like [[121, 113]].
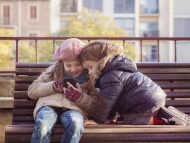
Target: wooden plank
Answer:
[[110, 138], [170, 94], [25, 104], [33, 64], [163, 65], [177, 94], [169, 77], [178, 103], [25, 79], [29, 71], [21, 86], [21, 95], [23, 118], [174, 70], [99, 129], [24, 86], [22, 112], [175, 86]]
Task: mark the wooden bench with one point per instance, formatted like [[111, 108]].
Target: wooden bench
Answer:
[[174, 78]]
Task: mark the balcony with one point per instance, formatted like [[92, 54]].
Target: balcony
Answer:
[[68, 8], [149, 33]]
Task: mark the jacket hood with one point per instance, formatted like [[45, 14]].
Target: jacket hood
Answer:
[[116, 60]]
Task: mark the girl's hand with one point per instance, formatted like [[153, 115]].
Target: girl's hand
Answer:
[[72, 93], [58, 86]]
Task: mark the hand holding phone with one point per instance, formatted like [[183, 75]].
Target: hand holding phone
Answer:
[[70, 80], [58, 86]]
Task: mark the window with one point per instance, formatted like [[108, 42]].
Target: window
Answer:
[[150, 53], [124, 6], [184, 30], [149, 29], [181, 6], [154, 53], [127, 24], [6, 14], [69, 6], [33, 12], [148, 6], [93, 4]]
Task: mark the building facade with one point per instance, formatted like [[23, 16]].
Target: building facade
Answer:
[[140, 18], [27, 17]]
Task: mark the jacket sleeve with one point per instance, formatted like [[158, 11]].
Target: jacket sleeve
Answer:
[[41, 86], [88, 101], [110, 89]]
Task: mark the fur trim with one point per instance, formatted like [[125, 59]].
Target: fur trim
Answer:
[[112, 52]]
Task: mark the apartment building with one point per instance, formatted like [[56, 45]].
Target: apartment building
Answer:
[[181, 15], [141, 18], [27, 17]]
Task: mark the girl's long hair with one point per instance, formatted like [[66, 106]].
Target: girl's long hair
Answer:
[[95, 51], [57, 72]]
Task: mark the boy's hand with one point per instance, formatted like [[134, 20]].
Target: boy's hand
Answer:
[[58, 86]]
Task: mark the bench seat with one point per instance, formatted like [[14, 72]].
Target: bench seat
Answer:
[[174, 78]]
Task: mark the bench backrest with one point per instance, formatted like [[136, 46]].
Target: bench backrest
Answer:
[[174, 78]]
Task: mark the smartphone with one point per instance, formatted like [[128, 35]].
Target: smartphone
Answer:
[[70, 80]]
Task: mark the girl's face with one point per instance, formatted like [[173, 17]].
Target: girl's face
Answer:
[[93, 67], [74, 68]]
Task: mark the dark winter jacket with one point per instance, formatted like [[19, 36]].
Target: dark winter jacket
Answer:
[[123, 89]]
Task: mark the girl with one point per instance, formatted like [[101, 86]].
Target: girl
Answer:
[[52, 105], [125, 91]]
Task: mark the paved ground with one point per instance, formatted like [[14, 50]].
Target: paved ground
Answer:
[[5, 119], [6, 90]]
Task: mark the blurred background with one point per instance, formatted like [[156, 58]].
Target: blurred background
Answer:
[[93, 18]]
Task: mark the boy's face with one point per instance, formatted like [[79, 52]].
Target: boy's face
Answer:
[[74, 68], [93, 67]]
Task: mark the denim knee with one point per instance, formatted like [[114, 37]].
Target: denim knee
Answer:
[[45, 121], [72, 118], [72, 121]]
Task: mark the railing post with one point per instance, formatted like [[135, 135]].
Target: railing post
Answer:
[[141, 49], [16, 50], [158, 54], [175, 51], [36, 50]]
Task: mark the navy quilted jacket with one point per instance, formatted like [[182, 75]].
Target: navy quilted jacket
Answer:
[[124, 90]]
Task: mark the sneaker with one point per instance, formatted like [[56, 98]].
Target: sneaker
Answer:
[[181, 116], [173, 116]]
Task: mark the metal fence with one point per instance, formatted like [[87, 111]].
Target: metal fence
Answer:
[[89, 39]]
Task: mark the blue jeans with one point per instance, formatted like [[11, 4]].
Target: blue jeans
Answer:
[[46, 120]]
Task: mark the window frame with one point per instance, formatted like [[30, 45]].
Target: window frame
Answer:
[[29, 12]]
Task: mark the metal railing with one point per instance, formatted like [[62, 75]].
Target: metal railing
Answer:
[[121, 39]]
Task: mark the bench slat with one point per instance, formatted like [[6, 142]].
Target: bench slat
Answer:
[[21, 112], [24, 87], [31, 103], [21, 95], [25, 79], [164, 70], [172, 94], [29, 71], [25, 104], [105, 134]]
